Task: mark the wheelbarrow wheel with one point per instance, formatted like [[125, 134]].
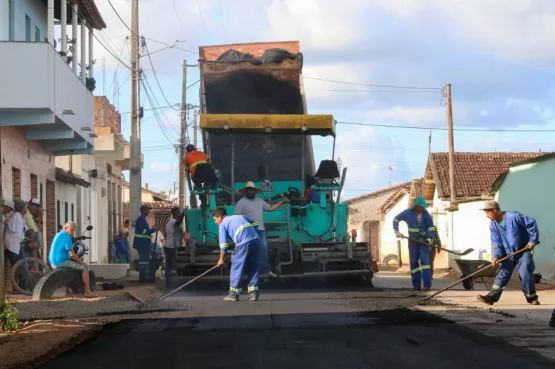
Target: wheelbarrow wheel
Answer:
[[468, 284]]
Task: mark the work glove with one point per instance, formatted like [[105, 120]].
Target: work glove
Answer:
[[429, 241], [398, 234]]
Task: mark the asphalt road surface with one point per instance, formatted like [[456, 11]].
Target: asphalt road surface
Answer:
[[306, 327]]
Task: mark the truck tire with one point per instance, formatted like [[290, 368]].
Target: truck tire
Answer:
[[58, 278]]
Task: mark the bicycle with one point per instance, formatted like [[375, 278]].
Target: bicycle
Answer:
[[27, 272]]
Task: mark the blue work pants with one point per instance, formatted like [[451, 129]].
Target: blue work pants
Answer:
[[265, 266], [245, 257], [525, 271], [144, 260], [419, 257]]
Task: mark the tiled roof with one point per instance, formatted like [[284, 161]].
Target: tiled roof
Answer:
[[416, 189], [405, 185], [144, 189], [474, 172], [157, 204]]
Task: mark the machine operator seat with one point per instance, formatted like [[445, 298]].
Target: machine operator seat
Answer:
[[327, 172]]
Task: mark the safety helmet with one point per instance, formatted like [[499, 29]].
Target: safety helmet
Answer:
[[189, 148]]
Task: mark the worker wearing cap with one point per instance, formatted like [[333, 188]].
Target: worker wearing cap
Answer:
[[253, 208], [7, 211], [142, 242], [511, 231], [246, 255], [421, 228], [196, 162]]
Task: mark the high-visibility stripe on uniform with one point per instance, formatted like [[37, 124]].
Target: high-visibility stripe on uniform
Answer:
[[224, 245], [496, 287], [431, 229], [416, 270], [425, 267], [414, 230], [396, 220], [530, 295], [143, 236], [241, 228], [197, 163], [237, 290], [253, 288]]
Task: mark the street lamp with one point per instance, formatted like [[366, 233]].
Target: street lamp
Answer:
[[391, 169]]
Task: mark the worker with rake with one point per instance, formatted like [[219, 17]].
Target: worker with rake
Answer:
[[244, 234], [511, 231], [421, 230]]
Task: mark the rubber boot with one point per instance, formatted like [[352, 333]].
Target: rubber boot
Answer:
[[253, 297], [415, 289], [535, 302], [426, 289], [485, 299], [231, 298]]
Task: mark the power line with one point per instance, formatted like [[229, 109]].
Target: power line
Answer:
[[160, 123], [156, 78], [371, 85], [158, 104], [167, 106], [222, 20], [122, 21], [201, 16], [117, 66], [445, 129]]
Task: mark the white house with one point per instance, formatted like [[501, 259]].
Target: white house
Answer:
[[527, 187], [474, 174]]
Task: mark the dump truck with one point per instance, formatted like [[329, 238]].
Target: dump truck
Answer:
[[255, 127]]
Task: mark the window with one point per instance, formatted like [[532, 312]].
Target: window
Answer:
[[58, 220], [16, 184], [27, 28], [37, 34], [72, 213], [66, 212], [11, 22]]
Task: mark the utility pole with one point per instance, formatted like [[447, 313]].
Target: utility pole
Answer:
[[183, 140], [2, 274], [195, 127], [451, 141], [135, 170]]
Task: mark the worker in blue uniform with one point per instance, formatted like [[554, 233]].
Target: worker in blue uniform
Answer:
[[243, 232], [552, 321], [511, 231], [142, 242], [420, 228]]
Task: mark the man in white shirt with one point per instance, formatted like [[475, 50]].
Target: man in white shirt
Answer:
[[174, 240], [15, 232], [254, 207]]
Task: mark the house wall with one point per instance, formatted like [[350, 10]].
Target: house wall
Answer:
[[33, 8], [365, 210], [145, 195], [527, 189], [66, 194], [466, 228], [388, 242]]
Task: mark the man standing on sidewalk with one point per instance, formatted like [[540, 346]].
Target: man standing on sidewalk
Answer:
[[174, 240], [510, 232], [253, 208]]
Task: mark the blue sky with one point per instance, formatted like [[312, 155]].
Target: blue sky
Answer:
[[496, 54]]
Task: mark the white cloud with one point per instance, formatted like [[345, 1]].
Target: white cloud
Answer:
[[416, 116], [322, 25]]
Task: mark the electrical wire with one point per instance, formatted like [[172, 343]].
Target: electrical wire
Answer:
[[160, 110], [117, 66], [160, 123], [120, 18], [167, 106], [371, 85], [444, 129], [222, 20], [156, 78]]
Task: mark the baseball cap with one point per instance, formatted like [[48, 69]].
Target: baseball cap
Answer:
[[9, 204], [35, 202], [490, 205]]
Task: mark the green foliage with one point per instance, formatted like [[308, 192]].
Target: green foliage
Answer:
[[8, 317]]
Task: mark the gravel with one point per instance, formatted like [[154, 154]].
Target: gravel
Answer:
[[76, 308]]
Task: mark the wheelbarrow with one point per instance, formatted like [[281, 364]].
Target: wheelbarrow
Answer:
[[467, 267]]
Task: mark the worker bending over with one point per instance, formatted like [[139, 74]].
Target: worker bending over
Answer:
[[511, 231], [421, 228], [142, 242], [196, 162], [243, 232]]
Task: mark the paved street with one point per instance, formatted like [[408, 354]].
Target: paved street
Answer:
[[325, 328]]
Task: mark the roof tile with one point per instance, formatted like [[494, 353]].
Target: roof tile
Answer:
[[474, 172]]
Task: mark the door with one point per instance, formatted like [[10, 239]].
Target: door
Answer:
[[93, 203]]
